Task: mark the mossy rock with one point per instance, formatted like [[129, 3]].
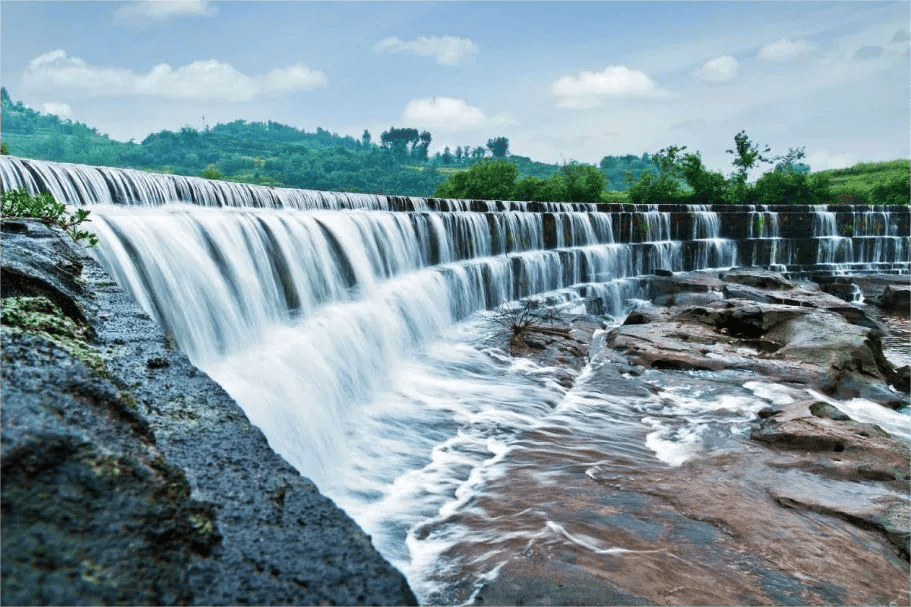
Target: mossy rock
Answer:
[[827, 411], [40, 316]]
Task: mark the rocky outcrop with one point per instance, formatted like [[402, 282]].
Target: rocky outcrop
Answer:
[[896, 297], [830, 440], [757, 320], [129, 476]]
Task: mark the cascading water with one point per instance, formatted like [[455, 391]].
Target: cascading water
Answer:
[[351, 329]]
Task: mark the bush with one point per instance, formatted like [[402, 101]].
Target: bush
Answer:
[[895, 191], [488, 179], [211, 172], [18, 203]]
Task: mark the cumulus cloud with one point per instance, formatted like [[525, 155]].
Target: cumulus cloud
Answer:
[[592, 89], [869, 52], [784, 50], [448, 50], [449, 114], [150, 12], [61, 110], [201, 80], [718, 69]]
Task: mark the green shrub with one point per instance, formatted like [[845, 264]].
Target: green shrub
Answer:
[[895, 191], [211, 172], [18, 203]]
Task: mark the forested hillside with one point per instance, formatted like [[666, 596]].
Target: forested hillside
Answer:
[[394, 162], [398, 162]]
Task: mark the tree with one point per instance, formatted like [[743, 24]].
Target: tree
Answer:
[[366, 139], [708, 186], [398, 140], [419, 150], [747, 154], [458, 155], [498, 146], [211, 172], [4, 149], [788, 163], [446, 156], [489, 179], [478, 153], [663, 187], [583, 182]]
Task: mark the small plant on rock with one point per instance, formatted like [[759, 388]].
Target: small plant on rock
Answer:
[[18, 203]]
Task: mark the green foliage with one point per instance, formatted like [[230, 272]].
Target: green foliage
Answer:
[[495, 179], [211, 172], [708, 187], [747, 154], [270, 153], [895, 191], [4, 149], [487, 179], [664, 186], [855, 184], [790, 182], [584, 183], [18, 203], [498, 146]]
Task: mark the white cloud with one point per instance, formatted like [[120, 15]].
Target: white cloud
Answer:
[[592, 89], [61, 110], [448, 50], [784, 50], [150, 12], [449, 114], [718, 69], [201, 80], [823, 160]]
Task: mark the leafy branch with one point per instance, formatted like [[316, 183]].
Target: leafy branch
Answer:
[[18, 203]]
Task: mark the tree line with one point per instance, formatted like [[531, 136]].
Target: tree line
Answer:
[[682, 177], [399, 162], [270, 153]]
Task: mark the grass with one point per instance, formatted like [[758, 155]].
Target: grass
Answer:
[[853, 185]]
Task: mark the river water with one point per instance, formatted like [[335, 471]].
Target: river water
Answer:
[[365, 355], [482, 478]]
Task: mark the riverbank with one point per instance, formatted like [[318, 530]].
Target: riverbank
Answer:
[[131, 477]]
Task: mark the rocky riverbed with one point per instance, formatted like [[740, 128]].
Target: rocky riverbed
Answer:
[[129, 476], [810, 505]]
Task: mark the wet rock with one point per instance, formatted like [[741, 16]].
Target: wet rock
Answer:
[[844, 448], [767, 412], [793, 332], [754, 277], [131, 477], [880, 510], [901, 379], [896, 297], [821, 409]]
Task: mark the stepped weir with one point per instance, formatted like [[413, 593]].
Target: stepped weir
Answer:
[[304, 305]]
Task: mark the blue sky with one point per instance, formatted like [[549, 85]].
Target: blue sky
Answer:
[[562, 80]]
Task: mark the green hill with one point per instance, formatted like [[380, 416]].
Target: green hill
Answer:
[[871, 182], [271, 153]]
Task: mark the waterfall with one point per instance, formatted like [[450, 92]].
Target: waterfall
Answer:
[[330, 317]]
